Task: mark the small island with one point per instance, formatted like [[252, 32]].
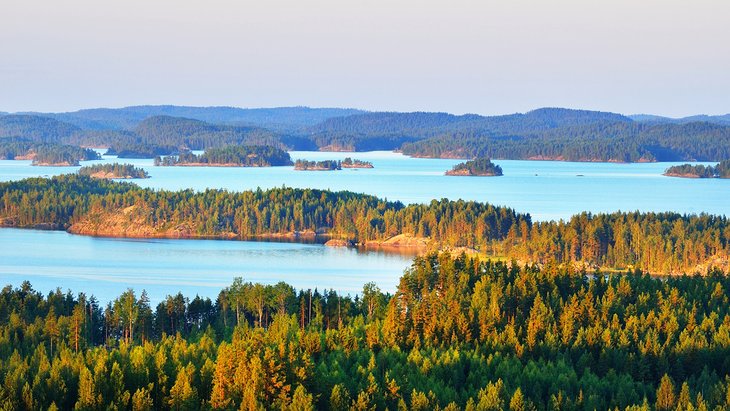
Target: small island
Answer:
[[325, 165], [231, 156], [482, 167], [355, 163], [721, 170], [113, 171]]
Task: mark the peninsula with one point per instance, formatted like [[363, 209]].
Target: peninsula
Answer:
[[721, 170]]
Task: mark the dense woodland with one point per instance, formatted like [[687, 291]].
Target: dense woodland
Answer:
[[549, 133], [113, 170], [458, 333], [243, 156], [721, 170], [655, 242], [478, 167]]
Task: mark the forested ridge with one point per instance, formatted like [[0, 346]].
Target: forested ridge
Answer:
[[667, 243], [548, 133], [458, 333], [620, 142]]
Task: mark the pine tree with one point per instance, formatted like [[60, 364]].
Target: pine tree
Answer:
[[665, 394]]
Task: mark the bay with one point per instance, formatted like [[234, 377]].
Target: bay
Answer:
[[105, 267]]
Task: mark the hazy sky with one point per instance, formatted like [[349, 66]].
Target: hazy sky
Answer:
[[665, 57]]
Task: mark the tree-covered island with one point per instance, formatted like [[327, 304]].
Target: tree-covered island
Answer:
[[230, 156], [324, 165], [479, 167], [355, 163], [113, 171]]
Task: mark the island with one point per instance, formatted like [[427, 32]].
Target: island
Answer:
[[113, 171], [45, 154], [325, 165], [355, 163], [230, 156], [482, 167], [721, 170]]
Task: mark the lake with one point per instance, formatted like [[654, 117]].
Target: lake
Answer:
[[105, 267], [545, 189]]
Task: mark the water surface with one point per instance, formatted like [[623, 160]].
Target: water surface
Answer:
[[107, 266], [545, 189]]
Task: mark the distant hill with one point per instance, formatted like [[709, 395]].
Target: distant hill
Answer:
[[546, 133], [648, 118], [387, 131], [615, 142], [198, 135], [36, 128], [280, 118]]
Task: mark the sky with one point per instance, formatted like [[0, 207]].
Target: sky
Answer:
[[663, 57]]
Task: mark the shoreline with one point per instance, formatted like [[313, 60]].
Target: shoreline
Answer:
[[302, 237]]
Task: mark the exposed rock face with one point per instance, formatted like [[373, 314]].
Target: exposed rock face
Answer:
[[338, 242], [131, 222], [465, 172], [401, 240], [681, 175]]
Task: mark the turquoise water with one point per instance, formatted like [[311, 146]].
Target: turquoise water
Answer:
[[105, 267], [545, 189]]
